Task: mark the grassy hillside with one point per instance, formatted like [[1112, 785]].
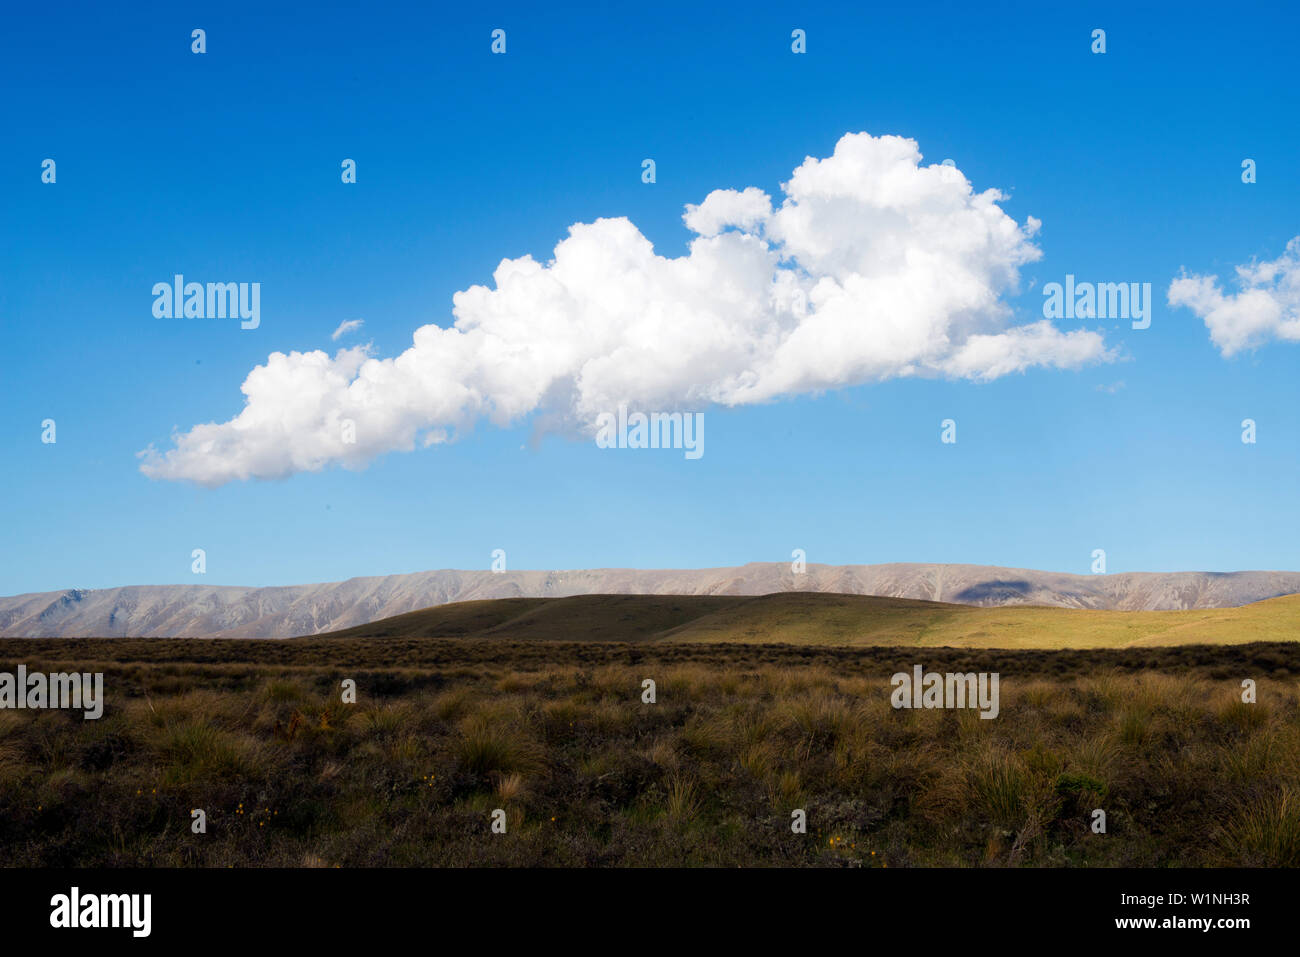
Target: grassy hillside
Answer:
[[582, 617], [819, 618]]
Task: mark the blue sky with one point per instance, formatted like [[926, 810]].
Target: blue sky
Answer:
[[225, 166]]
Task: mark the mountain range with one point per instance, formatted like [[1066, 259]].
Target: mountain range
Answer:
[[196, 610]]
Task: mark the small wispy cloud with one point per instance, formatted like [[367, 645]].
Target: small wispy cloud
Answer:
[[1265, 306], [348, 325]]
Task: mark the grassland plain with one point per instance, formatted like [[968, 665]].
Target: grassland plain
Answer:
[[555, 733]]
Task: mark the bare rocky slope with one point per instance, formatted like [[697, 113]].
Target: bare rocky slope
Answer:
[[280, 612]]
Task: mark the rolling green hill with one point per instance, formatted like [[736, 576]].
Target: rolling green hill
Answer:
[[820, 618]]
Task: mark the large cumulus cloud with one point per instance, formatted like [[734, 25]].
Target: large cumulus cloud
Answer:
[[873, 266]]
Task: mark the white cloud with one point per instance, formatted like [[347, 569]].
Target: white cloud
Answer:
[[726, 207], [346, 326], [872, 267], [1266, 306]]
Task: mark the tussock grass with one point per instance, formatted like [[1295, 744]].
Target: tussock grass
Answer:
[[444, 732], [1267, 832]]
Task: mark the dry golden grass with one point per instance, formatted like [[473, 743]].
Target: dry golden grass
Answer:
[[445, 732]]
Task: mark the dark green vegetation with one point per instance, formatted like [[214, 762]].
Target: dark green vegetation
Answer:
[[555, 733]]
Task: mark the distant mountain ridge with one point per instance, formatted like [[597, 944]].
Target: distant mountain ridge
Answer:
[[149, 611]]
